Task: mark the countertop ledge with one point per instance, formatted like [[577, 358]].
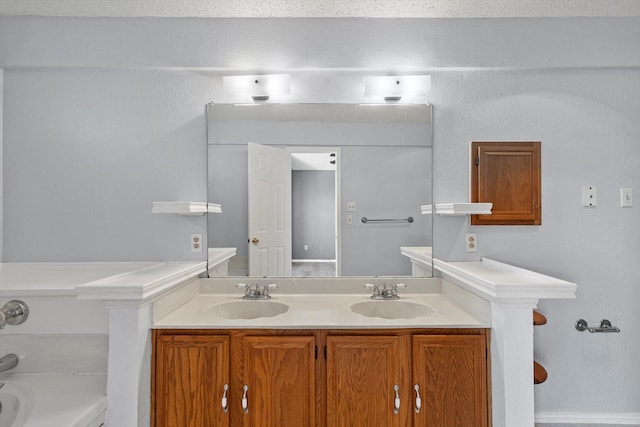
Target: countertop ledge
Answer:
[[143, 285], [500, 282]]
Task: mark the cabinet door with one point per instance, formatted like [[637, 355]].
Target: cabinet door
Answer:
[[507, 174], [279, 372], [361, 374], [190, 375], [451, 373]]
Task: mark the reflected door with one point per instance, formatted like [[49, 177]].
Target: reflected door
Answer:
[[269, 211]]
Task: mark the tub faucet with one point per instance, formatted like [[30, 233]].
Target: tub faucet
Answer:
[[13, 313], [7, 362]]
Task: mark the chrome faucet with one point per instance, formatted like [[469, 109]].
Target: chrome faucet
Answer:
[[13, 313], [256, 292], [7, 362], [385, 292]]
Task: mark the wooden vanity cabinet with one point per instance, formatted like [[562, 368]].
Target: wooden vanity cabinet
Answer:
[[451, 373], [279, 373], [362, 372], [191, 368], [321, 378], [190, 372]]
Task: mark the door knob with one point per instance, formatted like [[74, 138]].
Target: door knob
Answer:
[[255, 240]]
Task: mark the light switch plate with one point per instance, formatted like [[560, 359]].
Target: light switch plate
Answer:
[[626, 197]]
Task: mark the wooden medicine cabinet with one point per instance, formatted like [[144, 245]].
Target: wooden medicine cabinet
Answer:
[[507, 174]]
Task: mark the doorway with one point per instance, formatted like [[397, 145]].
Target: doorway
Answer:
[[314, 211]]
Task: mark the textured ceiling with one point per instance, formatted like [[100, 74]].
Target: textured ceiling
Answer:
[[323, 8]]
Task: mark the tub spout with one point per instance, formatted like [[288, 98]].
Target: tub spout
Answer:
[[7, 362]]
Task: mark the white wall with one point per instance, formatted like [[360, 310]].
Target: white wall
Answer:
[[571, 83], [588, 123], [87, 152]]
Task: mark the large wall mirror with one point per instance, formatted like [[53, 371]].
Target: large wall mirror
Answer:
[[296, 180]]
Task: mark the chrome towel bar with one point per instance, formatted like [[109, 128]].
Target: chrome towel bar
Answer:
[[366, 220], [604, 326]]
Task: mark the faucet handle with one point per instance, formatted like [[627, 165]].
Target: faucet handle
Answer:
[[271, 286], [370, 286], [242, 286], [400, 285]]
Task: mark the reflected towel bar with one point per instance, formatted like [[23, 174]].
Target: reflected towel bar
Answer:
[[366, 220]]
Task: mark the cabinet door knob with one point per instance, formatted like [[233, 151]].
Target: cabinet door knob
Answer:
[[245, 400], [418, 399], [225, 403], [396, 402]]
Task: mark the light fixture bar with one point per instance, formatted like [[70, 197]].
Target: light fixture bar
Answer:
[[259, 87], [393, 88]]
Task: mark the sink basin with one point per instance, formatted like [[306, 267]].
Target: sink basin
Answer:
[[392, 309], [248, 309]]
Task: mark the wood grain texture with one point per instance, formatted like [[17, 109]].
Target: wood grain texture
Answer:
[[361, 374], [539, 319], [280, 374], [539, 373], [508, 175], [281, 362], [452, 375], [189, 377]]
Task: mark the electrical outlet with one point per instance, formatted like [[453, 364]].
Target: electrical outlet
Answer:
[[196, 242], [470, 242]]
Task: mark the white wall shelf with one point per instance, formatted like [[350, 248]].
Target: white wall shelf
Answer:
[[426, 209], [461, 209], [186, 208]]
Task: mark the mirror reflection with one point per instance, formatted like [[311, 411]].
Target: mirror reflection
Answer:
[[296, 180]]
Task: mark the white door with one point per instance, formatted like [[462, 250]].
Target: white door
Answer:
[[269, 211]]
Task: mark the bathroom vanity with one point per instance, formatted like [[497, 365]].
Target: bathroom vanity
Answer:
[[465, 338], [321, 353], [320, 377]]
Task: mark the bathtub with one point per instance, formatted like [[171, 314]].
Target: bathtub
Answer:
[[52, 400]]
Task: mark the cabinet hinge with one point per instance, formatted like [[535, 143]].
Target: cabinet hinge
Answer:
[[477, 160], [325, 351], [316, 352]]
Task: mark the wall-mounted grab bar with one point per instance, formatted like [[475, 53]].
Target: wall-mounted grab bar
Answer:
[[604, 326], [366, 220]]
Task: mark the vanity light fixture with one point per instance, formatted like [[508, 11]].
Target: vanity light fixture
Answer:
[[259, 87], [393, 88]]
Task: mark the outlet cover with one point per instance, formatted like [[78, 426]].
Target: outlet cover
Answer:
[[589, 196], [470, 242], [196, 242]]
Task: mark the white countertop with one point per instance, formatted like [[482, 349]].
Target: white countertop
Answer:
[[58, 400], [497, 281], [317, 311]]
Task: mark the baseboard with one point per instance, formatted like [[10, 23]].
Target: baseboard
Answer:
[[631, 418]]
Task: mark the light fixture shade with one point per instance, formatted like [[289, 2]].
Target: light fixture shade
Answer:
[[260, 86], [395, 87]]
